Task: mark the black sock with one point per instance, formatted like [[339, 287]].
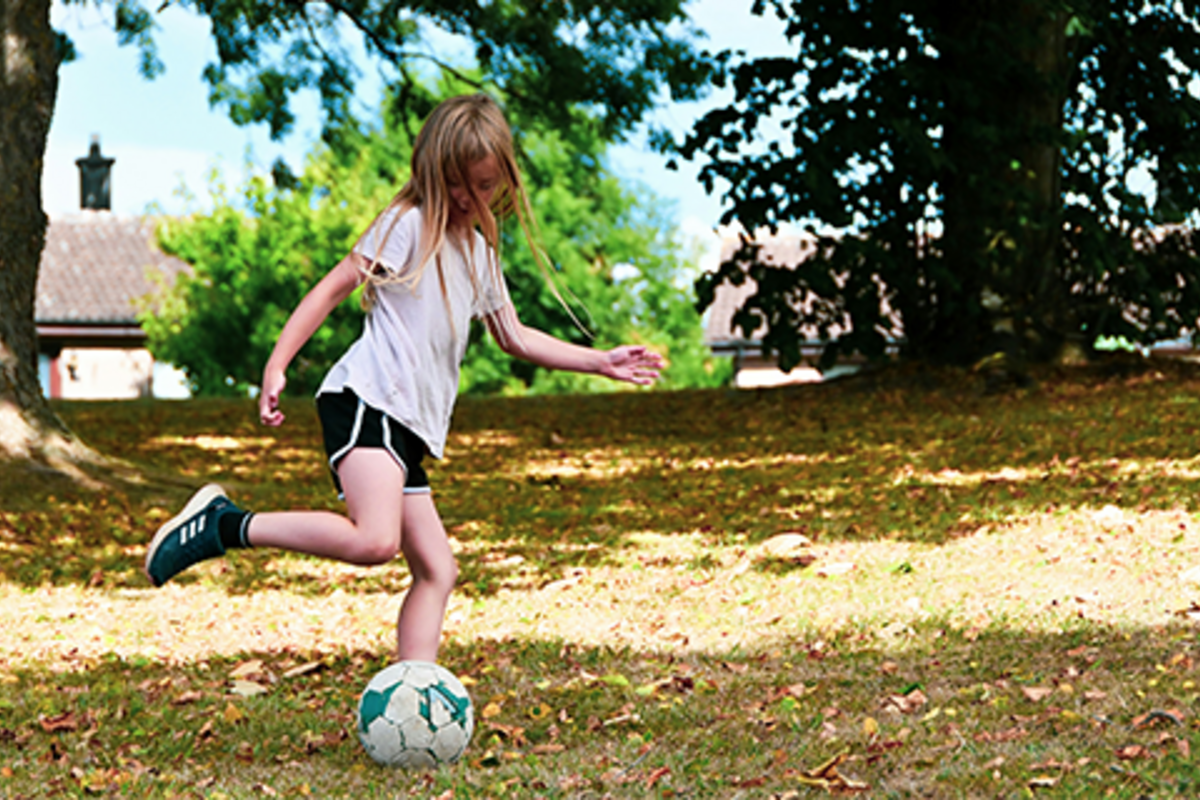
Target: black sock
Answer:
[[232, 528]]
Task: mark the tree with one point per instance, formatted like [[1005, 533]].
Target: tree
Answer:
[[613, 57], [970, 166], [261, 248]]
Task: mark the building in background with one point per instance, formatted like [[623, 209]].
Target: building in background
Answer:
[[97, 271], [751, 368]]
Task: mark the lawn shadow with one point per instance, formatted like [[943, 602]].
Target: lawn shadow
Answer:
[[925, 710]]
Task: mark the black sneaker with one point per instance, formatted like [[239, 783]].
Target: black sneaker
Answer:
[[191, 536]]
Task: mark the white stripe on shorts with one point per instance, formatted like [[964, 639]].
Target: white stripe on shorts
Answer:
[[387, 445]]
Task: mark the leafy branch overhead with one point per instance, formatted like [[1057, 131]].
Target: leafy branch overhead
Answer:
[[547, 57]]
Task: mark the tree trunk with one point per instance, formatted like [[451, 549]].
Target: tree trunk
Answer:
[[1037, 282], [1003, 214], [29, 61]]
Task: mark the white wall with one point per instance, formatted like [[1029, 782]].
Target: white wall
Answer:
[[96, 373]]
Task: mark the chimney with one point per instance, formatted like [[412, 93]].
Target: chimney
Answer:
[[95, 178]]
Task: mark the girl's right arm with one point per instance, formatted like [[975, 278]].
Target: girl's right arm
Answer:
[[335, 287]]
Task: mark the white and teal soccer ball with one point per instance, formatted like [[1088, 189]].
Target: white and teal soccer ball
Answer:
[[415, 714]]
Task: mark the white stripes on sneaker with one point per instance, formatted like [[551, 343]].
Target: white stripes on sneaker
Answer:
[[192, 530]]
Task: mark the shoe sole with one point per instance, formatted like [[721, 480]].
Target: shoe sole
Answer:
[[198, 501]]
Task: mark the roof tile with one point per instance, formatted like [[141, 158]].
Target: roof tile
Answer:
[[96, 266]]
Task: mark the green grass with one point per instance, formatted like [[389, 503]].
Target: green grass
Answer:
[[994, 600]]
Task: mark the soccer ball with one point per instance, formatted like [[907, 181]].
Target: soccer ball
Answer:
[[415, 714]]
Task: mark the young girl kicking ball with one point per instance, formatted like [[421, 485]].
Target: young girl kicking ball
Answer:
[[430, 265]]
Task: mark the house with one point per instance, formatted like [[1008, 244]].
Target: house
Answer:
[[96, 270], [751, 369]]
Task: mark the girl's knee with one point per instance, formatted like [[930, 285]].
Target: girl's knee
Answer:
[[441, 572], [377, 550]]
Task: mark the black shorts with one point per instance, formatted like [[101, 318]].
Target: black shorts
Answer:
[[347, 422]]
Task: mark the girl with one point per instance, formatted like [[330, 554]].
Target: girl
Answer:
[[430, 265]]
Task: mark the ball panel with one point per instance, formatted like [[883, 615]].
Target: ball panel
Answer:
[[450, 743], [405, 702], [416, 733], [420, 674], [382, 741]]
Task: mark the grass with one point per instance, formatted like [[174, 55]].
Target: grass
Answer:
[[992, 598]]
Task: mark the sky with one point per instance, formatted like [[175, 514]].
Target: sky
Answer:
[[167, 140]]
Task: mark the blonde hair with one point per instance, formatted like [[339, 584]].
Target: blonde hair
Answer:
[[460, 132]]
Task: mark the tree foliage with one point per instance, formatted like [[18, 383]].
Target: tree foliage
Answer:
[[262, 247], [549, 57], [983, 177]]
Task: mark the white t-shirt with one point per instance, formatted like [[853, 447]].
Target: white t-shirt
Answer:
[[406, 363]]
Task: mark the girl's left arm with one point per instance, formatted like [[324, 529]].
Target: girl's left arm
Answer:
[[630, 363]]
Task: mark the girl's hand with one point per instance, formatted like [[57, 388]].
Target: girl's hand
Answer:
[[633, 364], [268, 401]]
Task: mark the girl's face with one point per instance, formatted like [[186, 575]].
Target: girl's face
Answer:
[[483, 179]]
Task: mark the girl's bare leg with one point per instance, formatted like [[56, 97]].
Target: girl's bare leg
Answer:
[[379, 513], [374, 487], [434, 573]]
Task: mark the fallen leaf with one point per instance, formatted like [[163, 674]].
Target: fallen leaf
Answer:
[[492, 709], [1008, 735], [656, 775], [1036, 694], [1151, 718], [1191, 612], [304, 669], [247, 688], [540, 711], [1132, 752], [785, 545], [65, 721], [1042, 782], [232, 714], [826, 776], [909, 703], [247, 668], [515, 734], [316, 741], [186, 698]]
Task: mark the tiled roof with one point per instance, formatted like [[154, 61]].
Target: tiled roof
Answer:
[[783, 250], [95, 266]]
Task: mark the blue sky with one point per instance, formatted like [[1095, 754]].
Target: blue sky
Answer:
[[164, 136]]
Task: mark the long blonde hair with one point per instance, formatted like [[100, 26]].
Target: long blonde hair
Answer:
[[458, 133]]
